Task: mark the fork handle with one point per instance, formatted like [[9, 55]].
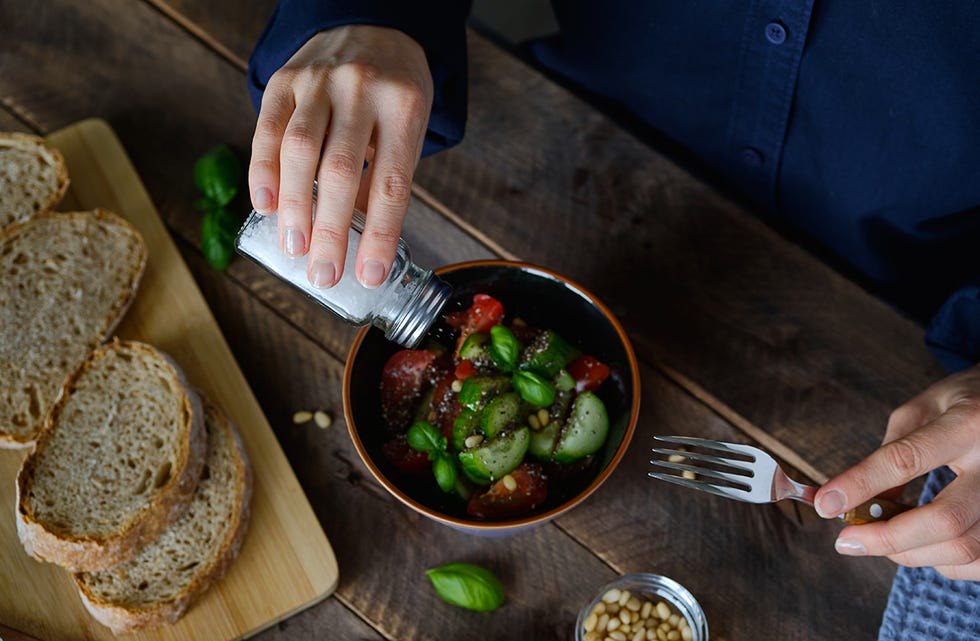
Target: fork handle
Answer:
[[874, 510]]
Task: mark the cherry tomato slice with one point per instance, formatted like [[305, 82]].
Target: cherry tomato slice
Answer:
[[465, 369], [484, 313], [588, 373], [500, 503], [446, 404], [407, 460], [402, 380]]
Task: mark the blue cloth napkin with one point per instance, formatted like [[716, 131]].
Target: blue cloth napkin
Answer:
[[923, 604]]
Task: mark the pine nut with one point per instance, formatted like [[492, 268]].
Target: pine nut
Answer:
[[509, 482], [592, 636], [688, 474], [473, 440], [302, 416], [634, 616], [624, 596], [590, 622], [673, 619], [456, 385], [624, 615], [676, 458], [600, 607], [663, 611], [603, 622], [543, 417], [612, 608], [613, 624], [638, 636], [617, 635], [645, 610], [323, 420], [661, 634], [633, 604], [687, 634], [533, 421]]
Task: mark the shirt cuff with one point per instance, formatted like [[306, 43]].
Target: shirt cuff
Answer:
[[437, 25], [953, 335]]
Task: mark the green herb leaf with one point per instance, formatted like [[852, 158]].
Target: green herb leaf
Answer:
[[468, 586], [205, 204], [534, 389], [504, 348], [424, 437], [217, 174], [444, 470], [218, 229]]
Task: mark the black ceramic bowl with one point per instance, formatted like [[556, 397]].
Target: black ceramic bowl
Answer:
[[543, 299]]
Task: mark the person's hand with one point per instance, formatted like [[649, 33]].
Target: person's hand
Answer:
[[939, 427], [368, 91]]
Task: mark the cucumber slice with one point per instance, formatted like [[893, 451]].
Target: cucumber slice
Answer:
[[475, 347], [501, 413], [547, 354], [466, 424], [495, 457], [542, 445], [585, 431], [478, 390]]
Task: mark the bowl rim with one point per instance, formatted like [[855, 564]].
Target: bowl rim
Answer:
[[542, 517]]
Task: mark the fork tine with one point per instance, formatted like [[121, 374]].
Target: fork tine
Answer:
[[719, 490], [735, 464], [741, 482], [735, 448]]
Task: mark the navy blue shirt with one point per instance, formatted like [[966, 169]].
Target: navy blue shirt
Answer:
[[856, 122]]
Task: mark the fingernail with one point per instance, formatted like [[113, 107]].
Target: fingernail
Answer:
[[323, 273], [830, 504], [293, 242], [372, 273], [263, 198], [850, 547]]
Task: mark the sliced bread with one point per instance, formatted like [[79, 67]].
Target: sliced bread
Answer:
[[117, 462], [33, 177], [67, 280], [162, 581]]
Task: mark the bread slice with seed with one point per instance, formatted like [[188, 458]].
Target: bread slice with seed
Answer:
[[67, 280], [162, 581], [116, 463], [33, 177]]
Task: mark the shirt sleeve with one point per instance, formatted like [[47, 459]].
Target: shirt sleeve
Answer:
[[953, 335], [437, 25]]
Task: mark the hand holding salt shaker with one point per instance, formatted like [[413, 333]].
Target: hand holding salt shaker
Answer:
[[403, 307]]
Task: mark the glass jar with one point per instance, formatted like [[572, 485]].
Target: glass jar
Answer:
[[653, 588], [403, 307]]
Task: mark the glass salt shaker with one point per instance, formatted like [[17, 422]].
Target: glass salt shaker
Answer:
[[403, 307]]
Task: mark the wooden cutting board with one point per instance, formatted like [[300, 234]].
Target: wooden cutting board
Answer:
[[286, 562]]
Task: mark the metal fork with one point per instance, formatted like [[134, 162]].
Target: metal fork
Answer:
[[746, 473]]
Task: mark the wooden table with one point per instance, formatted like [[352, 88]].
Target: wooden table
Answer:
[[741, 334]]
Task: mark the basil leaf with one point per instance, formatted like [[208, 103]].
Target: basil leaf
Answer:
[[534, 389], [504, 348], [218, 229], [217, 174], [424, 437], [468, 586], [445, 472]]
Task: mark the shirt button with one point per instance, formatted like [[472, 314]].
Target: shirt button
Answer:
[[751, 157], [775, 33]]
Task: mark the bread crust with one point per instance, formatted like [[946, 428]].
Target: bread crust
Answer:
[[21, 441], [121, 618], [51, 156], [75, 553]]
